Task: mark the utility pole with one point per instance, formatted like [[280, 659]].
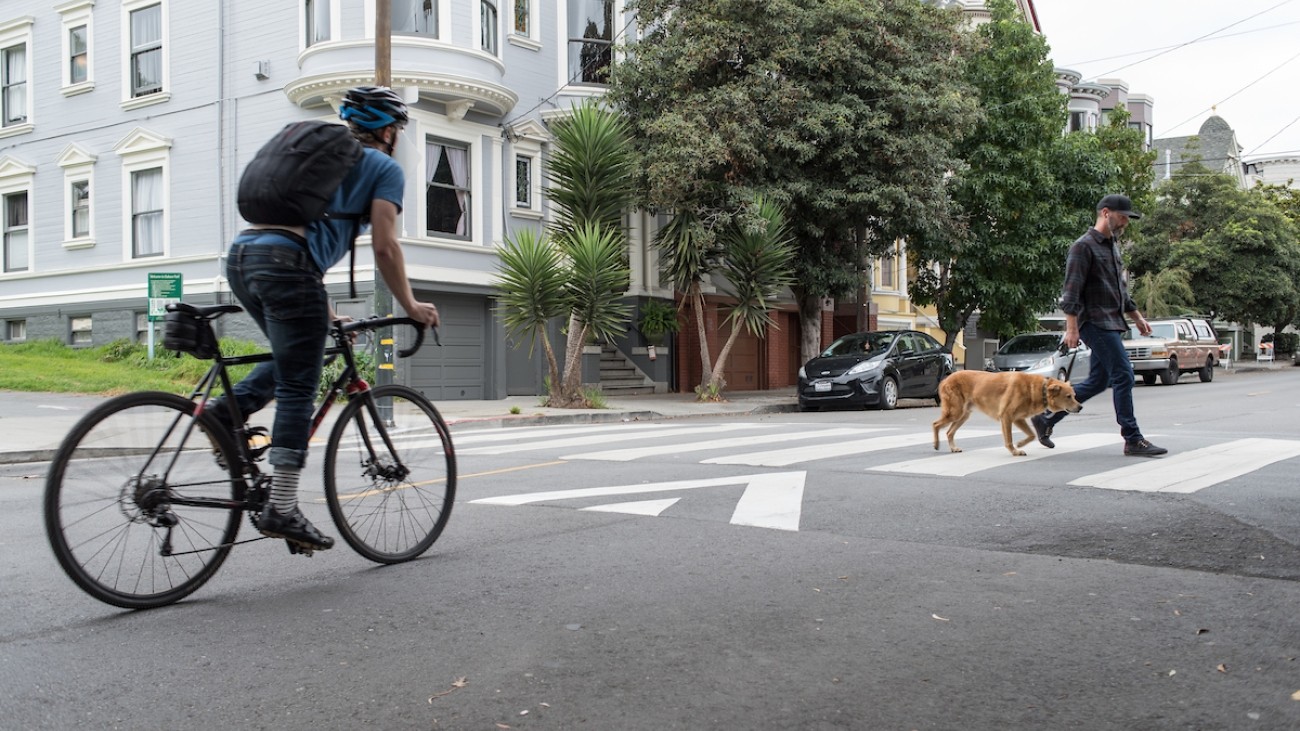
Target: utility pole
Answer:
[[383, 298]]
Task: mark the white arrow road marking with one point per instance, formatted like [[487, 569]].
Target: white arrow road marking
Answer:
[[625, 455], [770, 501], [968, 462], [783, 457], [606, 438], [639, 507], [1195, 470]]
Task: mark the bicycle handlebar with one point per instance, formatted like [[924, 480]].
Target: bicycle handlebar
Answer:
[[375, 323]]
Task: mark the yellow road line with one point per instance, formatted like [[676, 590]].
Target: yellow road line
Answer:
[[489, 473]]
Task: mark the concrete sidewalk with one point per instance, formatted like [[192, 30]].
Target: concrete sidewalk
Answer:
[[33, 424]]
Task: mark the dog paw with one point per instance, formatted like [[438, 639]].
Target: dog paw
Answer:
[[1019, 453], [956, 449]]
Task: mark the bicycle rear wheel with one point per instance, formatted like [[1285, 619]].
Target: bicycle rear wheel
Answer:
[[390, 474], [138, 509]]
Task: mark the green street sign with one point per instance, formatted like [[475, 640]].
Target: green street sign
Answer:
[[164, 289]]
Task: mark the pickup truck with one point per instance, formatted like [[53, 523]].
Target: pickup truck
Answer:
[[1177, 345]]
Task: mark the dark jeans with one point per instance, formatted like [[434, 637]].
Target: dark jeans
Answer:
[[281, 289], [1110, 367]]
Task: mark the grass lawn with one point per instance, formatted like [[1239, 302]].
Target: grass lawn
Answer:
[[108, 370]]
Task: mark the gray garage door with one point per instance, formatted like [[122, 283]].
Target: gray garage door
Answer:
[[457, 370]]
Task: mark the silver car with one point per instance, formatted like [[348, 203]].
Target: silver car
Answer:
[[1041, 353]]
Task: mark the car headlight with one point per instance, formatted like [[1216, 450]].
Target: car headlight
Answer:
[[866, 366], [988, 365], [1044, 363], [802, 373]]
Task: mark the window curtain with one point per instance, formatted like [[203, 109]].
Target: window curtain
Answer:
[[458, 163], [318, 21], [15, 84], [147, 211], [146, 44], [416, 17]]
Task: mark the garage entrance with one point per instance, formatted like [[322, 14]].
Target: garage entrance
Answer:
[[458, 370]]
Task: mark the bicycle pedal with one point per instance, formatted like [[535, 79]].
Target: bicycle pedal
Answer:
[[297, 548], [259, 440]]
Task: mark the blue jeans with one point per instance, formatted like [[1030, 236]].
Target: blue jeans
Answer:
[[281, 289], [1110, 366]]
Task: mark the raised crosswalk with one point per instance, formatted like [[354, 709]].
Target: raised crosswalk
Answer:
[[775, 445]]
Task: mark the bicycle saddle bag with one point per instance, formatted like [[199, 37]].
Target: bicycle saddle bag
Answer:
[[186, 333]]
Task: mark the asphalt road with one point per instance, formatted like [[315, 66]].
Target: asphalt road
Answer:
[[715, 577]]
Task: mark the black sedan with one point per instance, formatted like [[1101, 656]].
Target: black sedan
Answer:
[[874, 369]]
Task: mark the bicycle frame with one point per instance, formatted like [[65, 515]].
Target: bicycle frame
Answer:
[[349, 381]]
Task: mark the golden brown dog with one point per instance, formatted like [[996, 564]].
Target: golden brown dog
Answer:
[[1010, 398]]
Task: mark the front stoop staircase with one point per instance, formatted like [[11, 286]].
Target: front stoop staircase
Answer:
[[620, 376]]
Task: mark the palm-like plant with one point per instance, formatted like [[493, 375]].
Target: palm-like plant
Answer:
[[532, 283], [1164, 293], [687, 257], [758, 262]]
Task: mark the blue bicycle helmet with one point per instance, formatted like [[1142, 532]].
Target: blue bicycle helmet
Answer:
[[373, 107]]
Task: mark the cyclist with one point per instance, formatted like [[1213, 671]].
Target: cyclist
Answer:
[[276, 272]]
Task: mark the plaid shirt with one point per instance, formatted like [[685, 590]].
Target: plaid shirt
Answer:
[[1094, 283]]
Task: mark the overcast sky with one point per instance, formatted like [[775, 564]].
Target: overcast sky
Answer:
[[1138, 41]]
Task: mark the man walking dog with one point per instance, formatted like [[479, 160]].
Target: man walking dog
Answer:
[[1095, 301]]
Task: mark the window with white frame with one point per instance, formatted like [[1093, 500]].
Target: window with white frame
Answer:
[[146, 60], [447, 188], [15, 330], [523, 18], [79, 209], [316, 17], [523, 181], [146, 213], [78, 55], [80, 330], [78, 45], [145, 175], [591, 40], [488, 24], [415, 17], [78, 186], [17, 250], [13, 85]]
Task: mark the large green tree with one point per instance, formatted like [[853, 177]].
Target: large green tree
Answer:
[[1239, 247], [842, 112], [1019, 212]]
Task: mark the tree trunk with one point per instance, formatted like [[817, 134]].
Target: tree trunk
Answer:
[[568, 394], [712, 390], [553, 382], [706, 362], [810, 323]]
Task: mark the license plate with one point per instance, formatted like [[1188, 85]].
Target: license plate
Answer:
[[822, 386]]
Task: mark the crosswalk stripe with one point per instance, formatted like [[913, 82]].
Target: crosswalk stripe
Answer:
[[783, 457], [631, 453], [502, 435], [1194, 470], [969, 462], [644, 433]]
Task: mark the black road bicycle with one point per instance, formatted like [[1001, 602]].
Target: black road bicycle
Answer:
[[145, 495]]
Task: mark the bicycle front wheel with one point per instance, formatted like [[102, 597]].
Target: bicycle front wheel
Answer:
[[390, 474], [139, 507]]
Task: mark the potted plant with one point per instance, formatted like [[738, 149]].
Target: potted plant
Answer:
[[658, 318]]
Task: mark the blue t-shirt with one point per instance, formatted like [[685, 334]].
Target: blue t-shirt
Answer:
[[375, 176]]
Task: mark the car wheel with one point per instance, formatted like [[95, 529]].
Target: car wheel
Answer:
[[806, 407], [888, 394], [1207, 373], [1063, 376], [1169, 376], [1149, 378]]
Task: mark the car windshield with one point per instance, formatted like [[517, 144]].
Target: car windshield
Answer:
[[1164, 330], [860, 344], [1037, 343]]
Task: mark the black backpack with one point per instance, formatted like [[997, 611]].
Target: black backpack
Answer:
[[291, 180]]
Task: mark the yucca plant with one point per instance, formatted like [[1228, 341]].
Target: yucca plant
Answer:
[[532, 282]]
